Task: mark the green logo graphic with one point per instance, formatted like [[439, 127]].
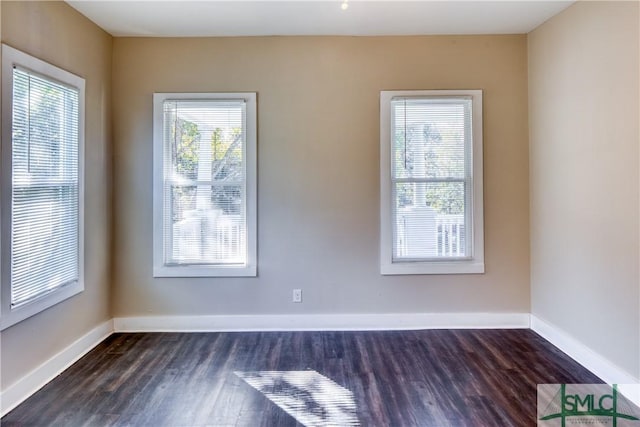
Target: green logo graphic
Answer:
[[585, 404]]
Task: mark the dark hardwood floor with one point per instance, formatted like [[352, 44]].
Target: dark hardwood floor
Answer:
[[387, 378]]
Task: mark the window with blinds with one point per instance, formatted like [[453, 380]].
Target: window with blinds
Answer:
[[206, 153], [42, 155], [431, 171]]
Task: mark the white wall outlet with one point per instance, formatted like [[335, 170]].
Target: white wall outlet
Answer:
[[297, 295]]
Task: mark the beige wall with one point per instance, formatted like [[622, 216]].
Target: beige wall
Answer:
[[56, 33], [318, 170], [583, 104]]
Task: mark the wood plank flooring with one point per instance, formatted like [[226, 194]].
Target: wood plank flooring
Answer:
[[396, 378]]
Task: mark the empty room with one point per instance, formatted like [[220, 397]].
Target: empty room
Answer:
[[320, 213]]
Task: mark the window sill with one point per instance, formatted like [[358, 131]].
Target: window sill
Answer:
[[432, 267], [205, 271], [18, 314]]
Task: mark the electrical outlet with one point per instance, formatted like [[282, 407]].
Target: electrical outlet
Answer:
[[297, 295]]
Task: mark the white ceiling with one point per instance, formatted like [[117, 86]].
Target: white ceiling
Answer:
[[183, 18]]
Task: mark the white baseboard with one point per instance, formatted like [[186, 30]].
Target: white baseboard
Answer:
[[40, 376], [600, 366], [322, 322]]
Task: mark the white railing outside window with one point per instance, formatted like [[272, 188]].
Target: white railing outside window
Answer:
[[209, 238], [446, 234], [450, 229]]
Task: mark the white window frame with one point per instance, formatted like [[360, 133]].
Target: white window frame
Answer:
[[14, 58], [468, 265], [249, 269]]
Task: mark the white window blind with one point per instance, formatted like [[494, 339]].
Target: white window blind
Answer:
[[431, 177], [430, 180], [41, 207], [205, 185], [45, 187]]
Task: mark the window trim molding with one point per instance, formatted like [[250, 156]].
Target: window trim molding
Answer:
[[250, 268], [471, 265], [12, 57]]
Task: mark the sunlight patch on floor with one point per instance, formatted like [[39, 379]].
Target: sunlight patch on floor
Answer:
[[311, 398]]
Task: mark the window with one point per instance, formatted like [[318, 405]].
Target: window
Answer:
[[42, 185], [204, 184], [431, 182]]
